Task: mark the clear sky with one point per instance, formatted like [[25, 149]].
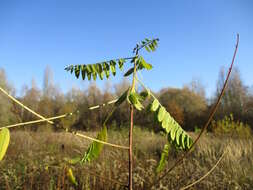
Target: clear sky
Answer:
[[197, 38]]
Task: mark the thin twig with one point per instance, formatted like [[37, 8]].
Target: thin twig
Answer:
[[37, 121], [204, 176], [102, 105], [179, 160], [99, 141], [25, 107]]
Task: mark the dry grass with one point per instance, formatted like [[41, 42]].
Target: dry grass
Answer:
[[36, 161]]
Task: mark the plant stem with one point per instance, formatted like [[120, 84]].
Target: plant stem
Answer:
[[130, 153], [130, 182]]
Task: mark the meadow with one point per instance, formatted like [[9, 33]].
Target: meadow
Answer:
[[39, 160]]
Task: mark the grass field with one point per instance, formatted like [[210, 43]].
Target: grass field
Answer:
[[38, 161]]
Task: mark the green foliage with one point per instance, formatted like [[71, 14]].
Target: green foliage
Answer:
[[135, 99], [95, 148], [4, 141], [229, 126], [72, 177], [164, 158], [101, 69], [122, 98], [175, 133], [142, 64], [149, 45]]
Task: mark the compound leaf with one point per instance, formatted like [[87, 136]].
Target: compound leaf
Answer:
[[96, 69], [95, 148]]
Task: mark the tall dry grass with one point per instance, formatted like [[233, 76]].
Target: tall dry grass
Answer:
[[37, 161]]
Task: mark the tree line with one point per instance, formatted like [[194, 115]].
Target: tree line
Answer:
[[188, 105]]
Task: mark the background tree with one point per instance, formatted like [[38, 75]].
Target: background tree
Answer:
[[7, 115], [189, 105], [235, 97]]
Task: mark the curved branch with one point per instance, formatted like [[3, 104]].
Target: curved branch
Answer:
[[214, 109], [36, 121], [25, 107], [204, 176], [99, 141]]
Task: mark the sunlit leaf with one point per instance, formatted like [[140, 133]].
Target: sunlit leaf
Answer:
[[72, 177], [164, 158], [154, 105], [4, 141], [95, 148], [161, 113]]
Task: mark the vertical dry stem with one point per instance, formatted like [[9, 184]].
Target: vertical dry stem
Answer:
[[130, 179]]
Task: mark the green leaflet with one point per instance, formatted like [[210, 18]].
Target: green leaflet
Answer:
[[132, 99], [106, 69], [146, 47], [72, 177], [129, 72], [165, 123], [164, 158], [77, 71], [112, 66], [122, 98], [189, 142], [89, 76], [4, 141], [135, 99], [154, 105], [121, 63], [95, 148], [83, 71], [89, 68], [145, 94], [182, 139], [178, 135], [100, 72], [143, 64], [161, 114]]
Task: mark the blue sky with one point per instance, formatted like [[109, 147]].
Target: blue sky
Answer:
[[197, 38]]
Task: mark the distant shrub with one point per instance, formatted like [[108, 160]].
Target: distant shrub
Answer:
[[228, 126]]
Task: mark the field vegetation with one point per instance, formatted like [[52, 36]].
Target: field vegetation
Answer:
[[40, 161]]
